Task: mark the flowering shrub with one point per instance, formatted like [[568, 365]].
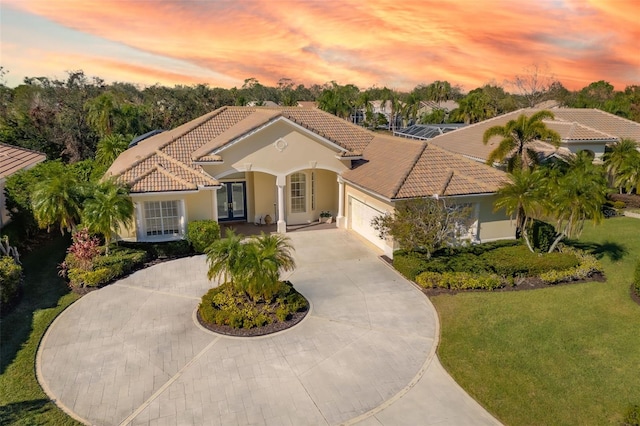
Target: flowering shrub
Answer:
[[587, 266]]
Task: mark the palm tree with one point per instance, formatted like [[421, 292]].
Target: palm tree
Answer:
[[101, 112], [109, 209], [57, 200], [266, 256], [619, 155], [576, 196], [517, 135], [628, 175], [225, 259], [523, 196], [109, 148]]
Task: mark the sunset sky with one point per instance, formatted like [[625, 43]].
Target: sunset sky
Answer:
[[398, 44]]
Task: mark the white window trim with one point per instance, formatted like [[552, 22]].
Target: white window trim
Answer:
[[304, 197], [141, 222]]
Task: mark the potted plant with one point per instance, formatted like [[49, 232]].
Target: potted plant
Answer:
[[325, 216]]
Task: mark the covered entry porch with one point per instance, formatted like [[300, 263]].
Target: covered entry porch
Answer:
[[284, 202]]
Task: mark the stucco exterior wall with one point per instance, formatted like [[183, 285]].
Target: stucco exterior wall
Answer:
[[491, 225], [327, 192], [264, 195], [294, 151]]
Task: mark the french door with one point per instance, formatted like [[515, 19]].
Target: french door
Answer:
[[232, 201]]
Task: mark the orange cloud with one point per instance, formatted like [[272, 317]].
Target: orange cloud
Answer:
[[378, 42]]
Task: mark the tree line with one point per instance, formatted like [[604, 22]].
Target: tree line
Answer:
[[67, 118]]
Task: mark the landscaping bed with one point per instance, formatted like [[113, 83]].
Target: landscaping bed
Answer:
[[225, 311]]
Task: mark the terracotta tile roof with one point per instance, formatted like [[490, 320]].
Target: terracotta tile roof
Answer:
[[392, 167], [573, 124], [14, 159], [440, 172], [387, 162]]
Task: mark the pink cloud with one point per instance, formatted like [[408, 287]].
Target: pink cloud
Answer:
[[379, 42]]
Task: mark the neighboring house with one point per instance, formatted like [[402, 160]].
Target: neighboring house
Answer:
[[580, 129], [12, 160], [427, 107], [242, 164]]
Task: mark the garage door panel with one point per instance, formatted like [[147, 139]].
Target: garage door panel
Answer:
[[361, 217]]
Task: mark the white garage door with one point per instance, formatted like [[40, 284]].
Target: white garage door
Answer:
[[361, 217]]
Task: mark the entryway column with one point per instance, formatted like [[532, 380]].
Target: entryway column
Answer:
[[282, 225], [340, 217]]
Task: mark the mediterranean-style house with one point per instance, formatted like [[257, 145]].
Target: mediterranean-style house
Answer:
[[579, 128], [249, 164], [12, 160]]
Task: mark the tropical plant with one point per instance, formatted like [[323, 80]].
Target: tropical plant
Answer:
[[108, 209], [616, 156], [58, 200], [522, 197], [109, 147], [517, 137], [576, 196], [628, 175], [101, 113], [252, 267]]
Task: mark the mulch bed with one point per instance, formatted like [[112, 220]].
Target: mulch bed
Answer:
[[274, 327]]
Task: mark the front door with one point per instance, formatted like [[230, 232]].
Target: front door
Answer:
[[232, 203]]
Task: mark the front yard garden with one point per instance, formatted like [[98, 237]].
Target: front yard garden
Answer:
[[560, 355]]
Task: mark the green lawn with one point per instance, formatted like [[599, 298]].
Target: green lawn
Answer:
[[22, 401], [568, 355]]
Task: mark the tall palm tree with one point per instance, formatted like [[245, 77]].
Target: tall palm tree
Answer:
[[615, 159], [576, 196], [57, 200], [517, 135], [108, 210], [109, 147], [522, 196], [101, 112]]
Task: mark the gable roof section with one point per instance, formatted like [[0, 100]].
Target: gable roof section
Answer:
[[14, 159], [601, 121]]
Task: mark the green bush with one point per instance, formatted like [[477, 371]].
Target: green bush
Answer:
[[587, 266], [10, 280], [476, 249], [202, 233], [632, 416], [164, 249], [636, 279], [618, 205], [119, 262], [459, 281], [541, 235], [409, 264], [465, 262], [519, 261], [223, 306]]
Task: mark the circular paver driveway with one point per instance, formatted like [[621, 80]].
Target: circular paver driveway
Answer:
[[131, 352]]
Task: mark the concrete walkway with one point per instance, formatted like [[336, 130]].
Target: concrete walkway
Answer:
[[132, 353]]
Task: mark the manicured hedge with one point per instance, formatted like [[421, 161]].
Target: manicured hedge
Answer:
[[104, 269], [202, 233], [10, 281], [459, 281], [520, 261], [163, 249], [587, 266]]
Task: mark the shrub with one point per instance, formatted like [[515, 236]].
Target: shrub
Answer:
[[223, 306], [541, 235], [165, 249], [459, 281], [201, 233], [476, 249], [636, 279], [10, 280], [103, 269], [409, 264], [587, 266], [618, 205], [465, 262], [519, 261], [632, 416]]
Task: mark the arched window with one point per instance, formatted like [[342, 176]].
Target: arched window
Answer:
[[298, 193]]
